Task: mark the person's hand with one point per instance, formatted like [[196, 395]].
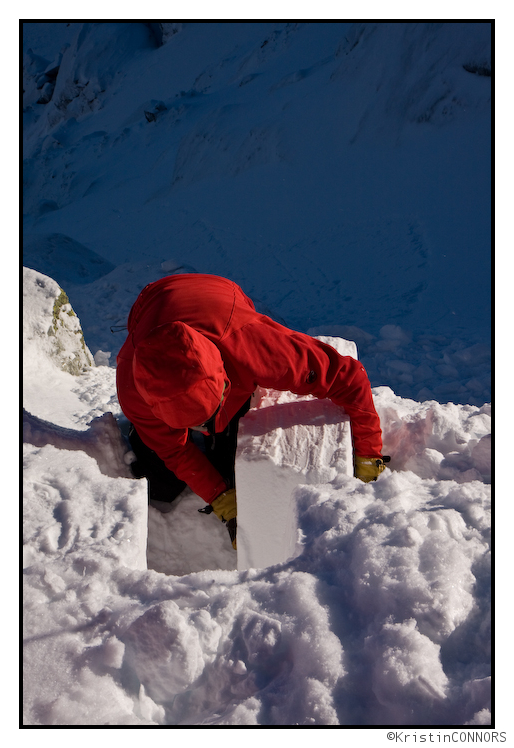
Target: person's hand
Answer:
[[225, 508], [369, 468]]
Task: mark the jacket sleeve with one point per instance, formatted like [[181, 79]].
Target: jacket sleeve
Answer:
[[178, 453], [282, 359]]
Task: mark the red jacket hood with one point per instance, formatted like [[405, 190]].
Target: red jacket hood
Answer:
[[180, 374]]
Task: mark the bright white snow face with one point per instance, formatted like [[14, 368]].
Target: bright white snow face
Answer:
[[340, 173], [285, 441]]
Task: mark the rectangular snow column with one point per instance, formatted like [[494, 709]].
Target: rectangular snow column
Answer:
[[285, 441]]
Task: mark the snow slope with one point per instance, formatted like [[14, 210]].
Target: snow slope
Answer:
[[340, 173]]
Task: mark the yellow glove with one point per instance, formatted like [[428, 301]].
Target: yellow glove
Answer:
[[369, 468], [225, 508]]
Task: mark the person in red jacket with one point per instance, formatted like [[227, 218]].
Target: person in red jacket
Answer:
[[196, 351]]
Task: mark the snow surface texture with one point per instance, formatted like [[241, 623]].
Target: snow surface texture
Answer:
[[340, 174], [353, 604]]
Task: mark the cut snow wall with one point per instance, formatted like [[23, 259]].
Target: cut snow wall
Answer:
[[283, 442]]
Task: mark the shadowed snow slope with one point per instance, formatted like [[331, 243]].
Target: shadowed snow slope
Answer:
[[339, 172]]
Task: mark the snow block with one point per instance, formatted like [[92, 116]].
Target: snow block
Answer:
[[283, 442]]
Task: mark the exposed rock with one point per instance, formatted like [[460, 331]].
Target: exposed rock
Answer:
[[51, 327]]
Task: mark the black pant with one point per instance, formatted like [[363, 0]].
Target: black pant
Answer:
[[163, 484]]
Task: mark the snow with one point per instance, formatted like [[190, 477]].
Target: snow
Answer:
[[285, 441], [339, 172]]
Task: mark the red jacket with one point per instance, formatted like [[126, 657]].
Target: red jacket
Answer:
[[193, 339]]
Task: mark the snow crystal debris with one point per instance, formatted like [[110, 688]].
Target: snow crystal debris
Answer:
[[164, 650], [407, 672]]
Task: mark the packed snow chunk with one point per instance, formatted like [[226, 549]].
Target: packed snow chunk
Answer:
[[407, 672], [51, 329], [244, 713], [426, 464], [168, 648], [284, 441], [147, 709], [102, 358]]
